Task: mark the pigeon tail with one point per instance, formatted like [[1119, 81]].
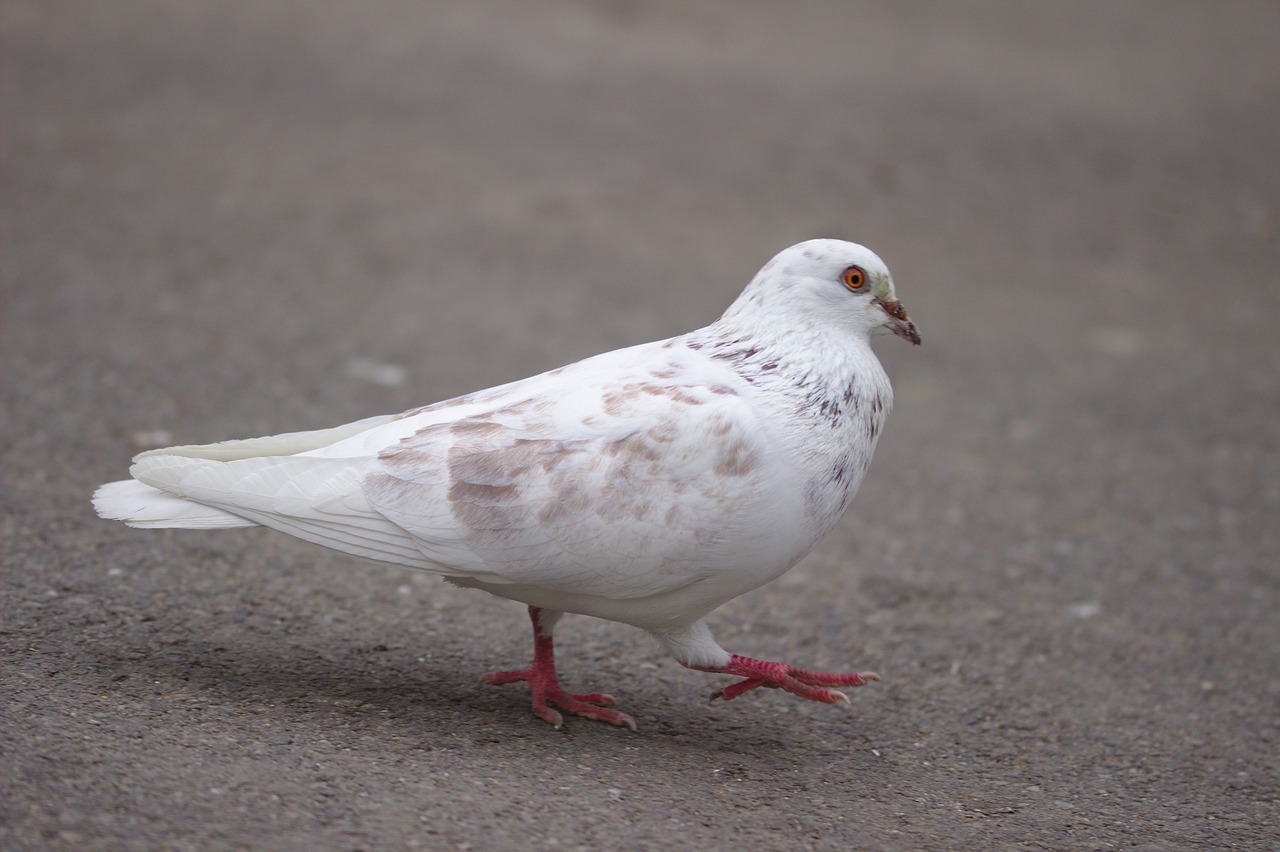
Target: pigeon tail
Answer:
[[139, 505]]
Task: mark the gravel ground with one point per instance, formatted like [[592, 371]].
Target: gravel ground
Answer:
[[236, 218]]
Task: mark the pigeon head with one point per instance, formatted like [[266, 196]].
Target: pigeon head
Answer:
[[830, 281]]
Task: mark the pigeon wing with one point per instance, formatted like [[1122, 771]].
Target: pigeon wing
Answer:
[[635, 489]]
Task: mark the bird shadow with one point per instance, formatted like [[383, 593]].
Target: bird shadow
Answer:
[[390, 694]]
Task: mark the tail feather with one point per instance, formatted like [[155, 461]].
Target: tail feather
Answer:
[[315, 499], [154, 500], [286, 444], [139, 505], [278, 481]]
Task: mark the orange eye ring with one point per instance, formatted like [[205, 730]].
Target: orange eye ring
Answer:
[[854, 278]]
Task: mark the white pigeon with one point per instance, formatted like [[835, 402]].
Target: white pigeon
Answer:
[[648, 485]]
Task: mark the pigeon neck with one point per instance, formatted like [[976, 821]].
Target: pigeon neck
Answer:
[[784, 351]]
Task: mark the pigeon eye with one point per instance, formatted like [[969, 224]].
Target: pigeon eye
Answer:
[[854, 278]]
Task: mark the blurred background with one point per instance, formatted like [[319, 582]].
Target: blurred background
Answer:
[[236, 218]]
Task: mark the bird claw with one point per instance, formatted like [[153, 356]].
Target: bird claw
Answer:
[[594, 705], [544, 686], [551, 717], [588, 711], [733, 690], [589, 705], [802, 682]]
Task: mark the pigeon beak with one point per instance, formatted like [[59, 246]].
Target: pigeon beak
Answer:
[[898, 322]]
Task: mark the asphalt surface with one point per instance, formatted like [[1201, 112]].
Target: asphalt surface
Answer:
[[230, 219]]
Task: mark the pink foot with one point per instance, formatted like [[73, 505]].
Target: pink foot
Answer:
[[546, 691], [545, 687], [803, 682]]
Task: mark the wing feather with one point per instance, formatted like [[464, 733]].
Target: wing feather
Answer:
[[623, 497]]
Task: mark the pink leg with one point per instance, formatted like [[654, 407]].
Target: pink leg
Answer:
[[545, 687], [803, 682]]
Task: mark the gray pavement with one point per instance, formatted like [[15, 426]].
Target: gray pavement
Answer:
[[236, 218]]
